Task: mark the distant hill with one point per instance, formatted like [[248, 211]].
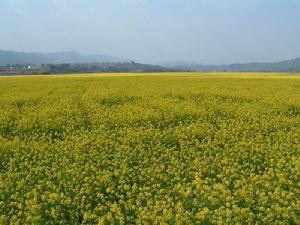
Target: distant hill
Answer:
[[72, 57], [283, 66], [12, 57]]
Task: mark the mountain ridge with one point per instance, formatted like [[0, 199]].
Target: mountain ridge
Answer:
[[35, 58], [292, 65], [9, 57]]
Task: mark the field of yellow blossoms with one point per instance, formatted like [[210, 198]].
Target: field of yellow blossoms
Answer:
[[150, 149]]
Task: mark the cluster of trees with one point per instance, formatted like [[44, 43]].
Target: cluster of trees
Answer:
[[81, 68], [105, 67]]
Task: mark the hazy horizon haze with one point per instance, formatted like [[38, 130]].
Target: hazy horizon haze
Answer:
[[153, 31]]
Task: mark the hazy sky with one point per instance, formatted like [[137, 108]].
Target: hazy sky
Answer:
[[207, 31]]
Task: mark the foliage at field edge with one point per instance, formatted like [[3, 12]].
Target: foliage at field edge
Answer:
[[169, 149]]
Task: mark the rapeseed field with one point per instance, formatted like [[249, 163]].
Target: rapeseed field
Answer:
[[169, 148]]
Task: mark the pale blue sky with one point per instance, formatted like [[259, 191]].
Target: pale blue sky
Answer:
[[205, 31]]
